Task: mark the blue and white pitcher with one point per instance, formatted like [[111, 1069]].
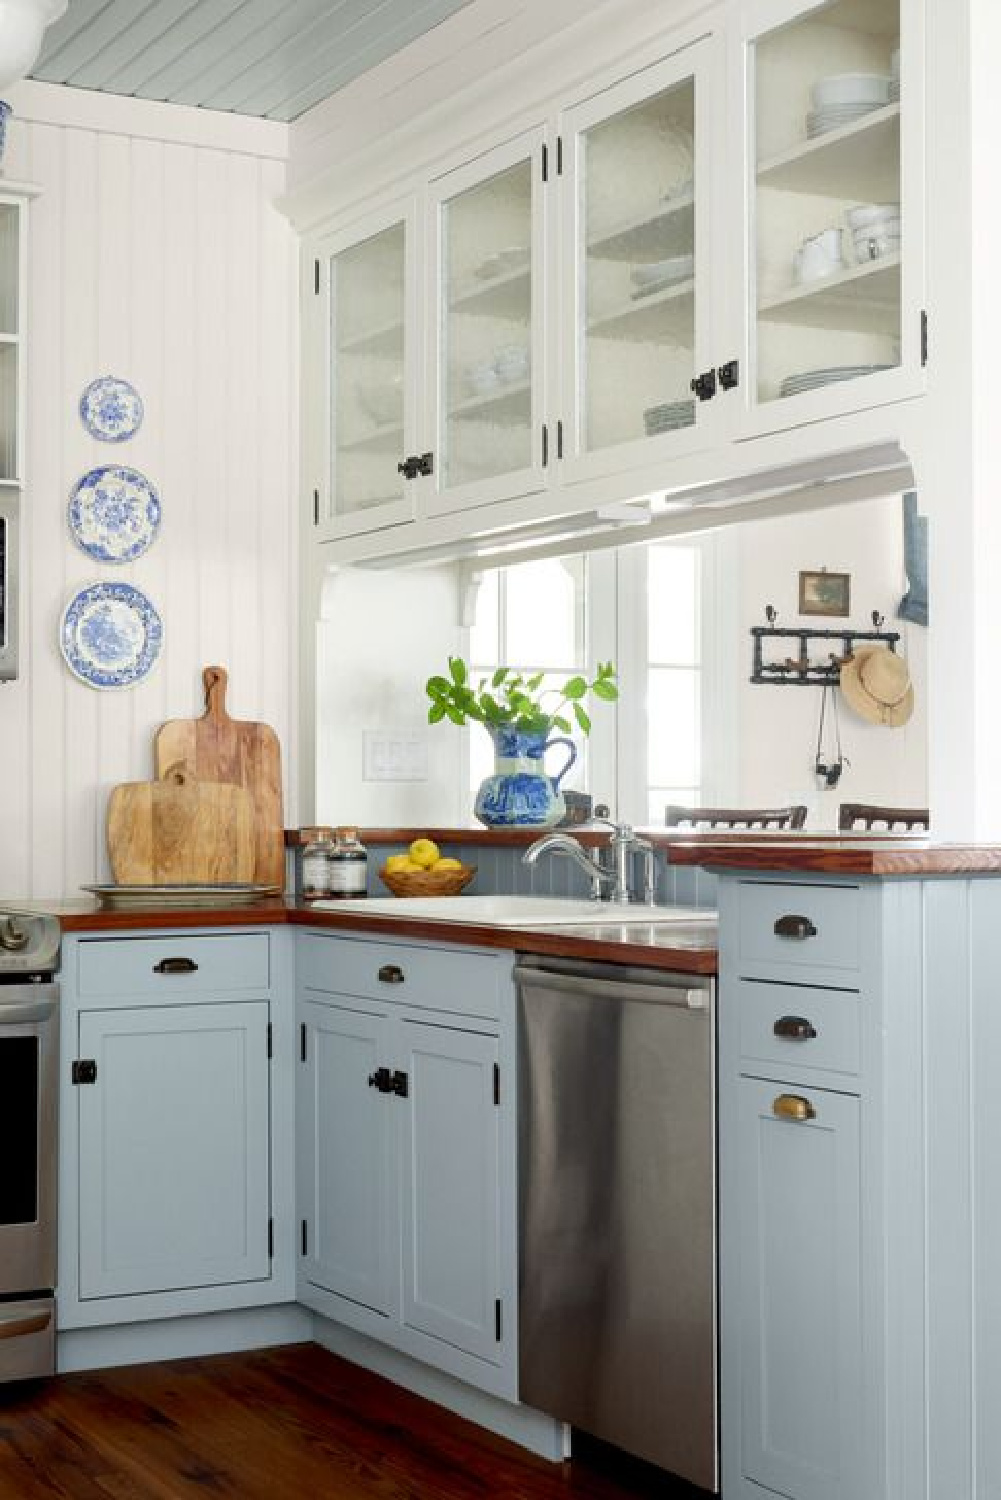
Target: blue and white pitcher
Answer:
[[520, 794]]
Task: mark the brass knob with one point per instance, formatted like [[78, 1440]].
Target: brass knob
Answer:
[[793, 1107]]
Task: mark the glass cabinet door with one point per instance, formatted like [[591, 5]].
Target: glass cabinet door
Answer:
[[834, 306], [11, 352], [636, 325], [369, 403], [487, 263]]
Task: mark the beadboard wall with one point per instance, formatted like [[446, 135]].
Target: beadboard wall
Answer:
[[154, 254]]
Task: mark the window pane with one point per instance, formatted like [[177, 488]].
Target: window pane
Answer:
[[484, 636], [542, 614], [676, 796], [673, 726], [672, 604]]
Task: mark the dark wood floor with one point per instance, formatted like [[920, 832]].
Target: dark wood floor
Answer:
[[281, 1424]]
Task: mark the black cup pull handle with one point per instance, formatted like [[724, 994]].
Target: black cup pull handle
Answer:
[[175, 966], [793, 926], [391, 974], [795, 1028]]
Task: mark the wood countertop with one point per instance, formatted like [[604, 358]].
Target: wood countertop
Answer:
[[689, 948], [881, 857]]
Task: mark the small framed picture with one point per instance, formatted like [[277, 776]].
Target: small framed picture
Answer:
[[825, 593]]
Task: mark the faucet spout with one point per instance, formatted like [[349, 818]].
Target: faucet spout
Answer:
[[562, 844]]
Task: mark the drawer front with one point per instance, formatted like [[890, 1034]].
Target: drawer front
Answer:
[[798, 1026], [442, 979], [173, 967], [800, 926]]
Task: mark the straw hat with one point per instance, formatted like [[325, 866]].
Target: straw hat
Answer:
[[877, 685]]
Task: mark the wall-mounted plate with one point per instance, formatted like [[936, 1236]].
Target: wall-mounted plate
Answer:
[[114, 514], [111, 635], [111, 409]]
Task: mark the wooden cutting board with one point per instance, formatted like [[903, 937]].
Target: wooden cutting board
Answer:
[[180, 831], [238, 751]]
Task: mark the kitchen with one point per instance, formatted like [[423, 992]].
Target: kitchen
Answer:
[[168, 214]]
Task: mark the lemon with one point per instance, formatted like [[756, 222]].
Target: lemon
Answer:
[[408, 867], [447, 864], [424, 852], [398, 862]]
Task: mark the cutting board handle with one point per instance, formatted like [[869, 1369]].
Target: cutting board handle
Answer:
[[215, 680]]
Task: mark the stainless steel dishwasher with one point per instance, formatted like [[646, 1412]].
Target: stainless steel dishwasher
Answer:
[[617, 1197]]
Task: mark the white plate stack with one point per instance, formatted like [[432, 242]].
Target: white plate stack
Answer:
[[843, 98], [657, 275], [875, 229], [811, 380], [669, 416]]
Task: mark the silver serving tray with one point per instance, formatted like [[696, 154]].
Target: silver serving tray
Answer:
[[126, 896]]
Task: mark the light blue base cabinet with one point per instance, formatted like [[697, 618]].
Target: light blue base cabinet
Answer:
[[406, 1149], [860, 1187]]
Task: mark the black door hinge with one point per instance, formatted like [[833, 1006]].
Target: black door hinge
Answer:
[[316, 507], [559, 439], [924, 337], [84, 1070], [302, 1041], [271, 1041], [316, 278], [496, 1083], [729, 375], [303, 1236], [545, 162], [545, 444], [400, 1084], [498, 1328], [271, 1239], [559, 156], [704, 385]]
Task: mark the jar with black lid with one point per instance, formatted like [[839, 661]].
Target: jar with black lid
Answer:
[[348, 864]]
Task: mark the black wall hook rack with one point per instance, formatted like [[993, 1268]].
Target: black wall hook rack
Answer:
[[803, 669]]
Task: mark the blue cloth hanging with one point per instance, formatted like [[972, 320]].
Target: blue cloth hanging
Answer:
[[914, 605]]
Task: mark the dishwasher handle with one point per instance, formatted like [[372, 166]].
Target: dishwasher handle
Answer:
[[693, 997]]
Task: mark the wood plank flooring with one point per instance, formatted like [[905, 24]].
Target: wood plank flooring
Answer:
[[294, 1423]]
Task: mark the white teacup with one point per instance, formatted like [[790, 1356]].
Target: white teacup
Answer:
[[820, 255]]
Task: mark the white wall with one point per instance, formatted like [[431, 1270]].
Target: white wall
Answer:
[[154, 254], [776, 727]]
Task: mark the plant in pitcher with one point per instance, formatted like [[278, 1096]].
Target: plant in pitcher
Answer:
[[520, 715]]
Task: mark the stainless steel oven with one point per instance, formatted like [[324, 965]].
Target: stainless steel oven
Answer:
[[29, 1063], [9, 552]]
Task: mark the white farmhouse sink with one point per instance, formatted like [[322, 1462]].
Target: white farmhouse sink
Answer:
[[516, 911]]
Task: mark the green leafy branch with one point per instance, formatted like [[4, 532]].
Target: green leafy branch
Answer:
[[509, 697]]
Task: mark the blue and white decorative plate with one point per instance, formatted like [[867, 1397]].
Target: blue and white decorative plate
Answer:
[[111, 635], [111, 409], [114, 514]]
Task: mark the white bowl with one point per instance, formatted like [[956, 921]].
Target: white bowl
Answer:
[[866, 214], [851, 88]]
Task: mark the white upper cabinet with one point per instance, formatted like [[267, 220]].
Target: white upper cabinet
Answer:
[[831, 280], [637, 266], [363, 343], [487, 224]]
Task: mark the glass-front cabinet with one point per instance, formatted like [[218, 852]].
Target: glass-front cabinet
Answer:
[[11, 343], [832, 275], [637, 328], [365, 281], [488, 225]]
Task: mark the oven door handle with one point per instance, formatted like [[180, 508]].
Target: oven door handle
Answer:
[[32, 1010], [16, 1325]]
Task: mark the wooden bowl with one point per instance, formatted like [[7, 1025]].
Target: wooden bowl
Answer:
[[427, 882]]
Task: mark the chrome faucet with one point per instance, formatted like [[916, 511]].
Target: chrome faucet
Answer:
[[623, 843]]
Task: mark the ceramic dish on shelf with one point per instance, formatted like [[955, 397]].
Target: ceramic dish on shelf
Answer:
[[111, 635], [871, 89], [127, 897], [669, 416], [114, 514], [811, 380], [821, 122], [865, 214], [503, 262], [874, 244], [111, 409]]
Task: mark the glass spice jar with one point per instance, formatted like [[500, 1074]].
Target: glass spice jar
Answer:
[[348, 865], [316, 863]]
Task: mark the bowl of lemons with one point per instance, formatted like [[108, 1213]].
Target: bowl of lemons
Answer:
[[424, 871]]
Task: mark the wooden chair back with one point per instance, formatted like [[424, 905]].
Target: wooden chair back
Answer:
[[735, 817], [863, 815]]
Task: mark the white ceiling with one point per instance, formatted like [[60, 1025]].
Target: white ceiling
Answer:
[[273, 58]]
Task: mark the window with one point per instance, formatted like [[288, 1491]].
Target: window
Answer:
[[673, 677]]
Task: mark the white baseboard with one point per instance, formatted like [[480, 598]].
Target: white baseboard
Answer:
[[524, 1425], [182, 1338]]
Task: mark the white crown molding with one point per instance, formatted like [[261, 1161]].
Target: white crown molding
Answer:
[[179, 124]]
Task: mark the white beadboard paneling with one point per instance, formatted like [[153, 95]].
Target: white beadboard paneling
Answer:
[[166, 263]]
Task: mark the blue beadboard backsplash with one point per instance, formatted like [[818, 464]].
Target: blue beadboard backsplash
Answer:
[[502, 871]]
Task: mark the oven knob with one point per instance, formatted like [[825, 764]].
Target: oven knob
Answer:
[[13, 937]]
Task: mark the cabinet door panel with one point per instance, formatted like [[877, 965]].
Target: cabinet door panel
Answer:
[[800, 1295], [451, 1176], [348, 1177], [174, 1148]]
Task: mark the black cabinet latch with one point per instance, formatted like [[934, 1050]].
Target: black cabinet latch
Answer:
[[729, 375], [84, 1070], [417, 464], [704, 385], [381, 1079], [400, 1084]]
